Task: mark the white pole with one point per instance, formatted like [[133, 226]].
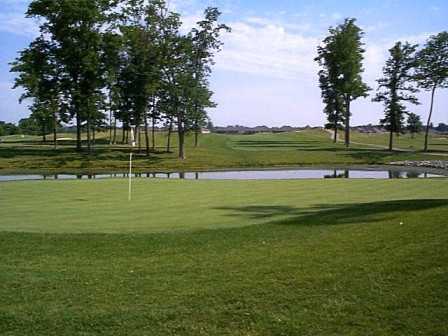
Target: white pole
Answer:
[[130, 165], [130, 177]]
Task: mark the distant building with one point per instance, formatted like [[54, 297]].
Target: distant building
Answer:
[[369, 129], [237, 129]]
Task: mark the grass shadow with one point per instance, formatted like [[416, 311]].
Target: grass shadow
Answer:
[[333, 214], [275, 143]]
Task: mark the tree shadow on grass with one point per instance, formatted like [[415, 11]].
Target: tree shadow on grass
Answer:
[[345, 151], [68, 156], [69, 153], [333, 214], [375, 155], [438, 150], [275, 143]]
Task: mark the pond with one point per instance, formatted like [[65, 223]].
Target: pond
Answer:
[[273, 174]]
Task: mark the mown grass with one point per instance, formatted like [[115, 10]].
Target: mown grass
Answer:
[[314, 257], [215, 152], [438, 143]]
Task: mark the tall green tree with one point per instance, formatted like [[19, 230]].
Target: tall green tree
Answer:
[[341, 56], [75, 26], [142, 69], [432, 70], [30, 126], [414, 124], [186, 73], [38, 123], [111, 63], [206, 38], [179, 79], [202, 100], [396, 88], [126, 58], [8, 129], [334, 104], [39, 75]]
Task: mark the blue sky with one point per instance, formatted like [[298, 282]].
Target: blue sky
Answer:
[[265, 74]]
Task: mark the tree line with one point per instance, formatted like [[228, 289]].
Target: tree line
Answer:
[[125, 62], [407, 70]]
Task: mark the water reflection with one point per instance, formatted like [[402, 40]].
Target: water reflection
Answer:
[[337, 174], [246, 175]]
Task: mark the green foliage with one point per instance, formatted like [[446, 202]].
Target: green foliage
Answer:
[[414, 123], [8, 129], [340, 56], [432, 70], [39, 75], [334, 104], [188, 63], [32, 126], [74, 29], [125, 57], [396, 87]]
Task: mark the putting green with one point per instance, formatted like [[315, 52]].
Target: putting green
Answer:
[[161, 205]]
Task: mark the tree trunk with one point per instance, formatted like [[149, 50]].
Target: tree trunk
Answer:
[[428, 125], [391, 141], [123, 134], [170, 131], [181, 133], [196, 138], [44, 133], [93, 137], [55, 124], [78, 132], [138, 138], [115, 131], [335, 140], [153, 133], [110, 126], [347, 122], [89, 144], [146, 136]]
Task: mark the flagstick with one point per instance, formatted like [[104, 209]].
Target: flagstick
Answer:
[[130, 177], [130, 164]]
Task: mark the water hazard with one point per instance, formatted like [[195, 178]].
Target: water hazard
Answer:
[[283, 174]]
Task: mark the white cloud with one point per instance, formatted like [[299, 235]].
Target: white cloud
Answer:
[[18, 24], [283, 83], [262, 21], [10, 109], [14, 4], [434, 9], [377, 51], [336, 16], [259, 46]]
